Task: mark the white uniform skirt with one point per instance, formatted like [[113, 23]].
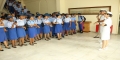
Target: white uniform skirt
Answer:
[[105, 34]]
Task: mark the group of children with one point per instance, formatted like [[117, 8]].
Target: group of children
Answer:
[[29, 28], [15, 7]]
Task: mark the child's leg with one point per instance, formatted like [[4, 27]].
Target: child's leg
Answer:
[[30, 41], [0, 47], [41, 35], [58, 35], [38, 36], [66, 32], [45, 36], [48, 36], [5, 43], [13, 43], [51, 34], [20, 41]]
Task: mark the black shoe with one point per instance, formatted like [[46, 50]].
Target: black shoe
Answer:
[[96, 37], [7, 47], [35, 43], [14, 46], [63, 36], [1, 50]]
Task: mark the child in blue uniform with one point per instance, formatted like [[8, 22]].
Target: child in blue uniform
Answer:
[[46, 28], [39, 30], [67, 24], [80, 22], [21, 30], [58, 27], [31, 29], [3, 37], [12, 34], [73, 24]]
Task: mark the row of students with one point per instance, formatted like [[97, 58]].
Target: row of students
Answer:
[[31, 28]]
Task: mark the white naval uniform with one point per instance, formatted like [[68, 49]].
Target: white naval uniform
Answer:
[[105, 34], [102, 17]]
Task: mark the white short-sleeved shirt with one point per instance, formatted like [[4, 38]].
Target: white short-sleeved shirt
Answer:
[[20, 22], [73, 19], [5, 23], [38, 21], [9, 24], [10, 4], [58, 20], [19, 9], [25, 10], [31, 22], [14, 18], [67, 20], [46, 21]]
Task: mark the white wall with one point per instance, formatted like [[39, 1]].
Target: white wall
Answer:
[[90, 3], [42, 6], [2, 3]]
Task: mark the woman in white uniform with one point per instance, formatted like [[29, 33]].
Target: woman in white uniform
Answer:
[[105, 34]]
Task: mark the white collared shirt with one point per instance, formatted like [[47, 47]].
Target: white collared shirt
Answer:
[[9, 24], [46, 21], [67, 20], [58, 20], [20, 22], [25, 10], [5, 23], [38, 21]]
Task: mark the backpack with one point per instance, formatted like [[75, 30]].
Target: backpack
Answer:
[[83, 19]]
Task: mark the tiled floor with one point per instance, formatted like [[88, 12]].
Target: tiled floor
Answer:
[[76, 47]]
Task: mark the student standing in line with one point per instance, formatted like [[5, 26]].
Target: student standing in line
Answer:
[[73, 24], [13, 15], [3, 36], [58, 27], [31, 29], [21, 30], [46, 27], [67, 24], [80, 22], [105, 34], [12, 34], [39, 30], [25, 10]]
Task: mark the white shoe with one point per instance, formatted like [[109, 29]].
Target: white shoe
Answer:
[[101, 49], [106, 48]]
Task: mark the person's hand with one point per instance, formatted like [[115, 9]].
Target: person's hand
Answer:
[[96, 23], [5, 30], [103, 24], [24, 27]]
